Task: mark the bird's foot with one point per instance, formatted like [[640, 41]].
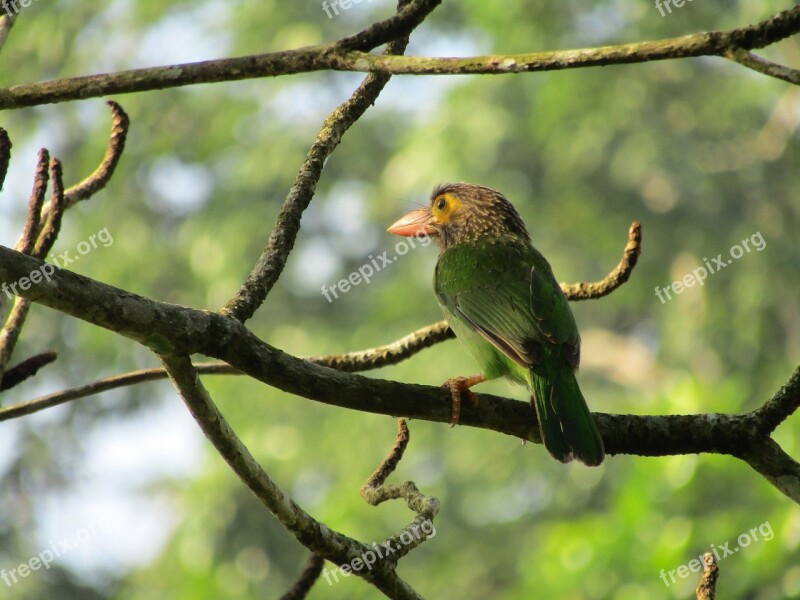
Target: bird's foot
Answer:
[[458, 386]]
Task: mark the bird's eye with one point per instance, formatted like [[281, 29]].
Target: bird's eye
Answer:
[[441, 203]]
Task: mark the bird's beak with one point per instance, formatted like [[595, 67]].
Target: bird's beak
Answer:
[[417, 222]]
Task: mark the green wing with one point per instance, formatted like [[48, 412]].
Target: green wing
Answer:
[[505, 291]]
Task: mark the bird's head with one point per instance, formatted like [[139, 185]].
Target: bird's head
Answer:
[[462, 212]]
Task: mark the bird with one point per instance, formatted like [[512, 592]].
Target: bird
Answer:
[[501, 299]]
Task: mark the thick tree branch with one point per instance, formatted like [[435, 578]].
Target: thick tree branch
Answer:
[[361, 360], [308, 531], [336, 56], [301, 60], [177, 329]]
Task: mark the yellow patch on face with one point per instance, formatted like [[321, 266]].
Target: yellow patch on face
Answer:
[[445, 206]]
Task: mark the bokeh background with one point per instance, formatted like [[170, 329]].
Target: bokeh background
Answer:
[[703, 152]]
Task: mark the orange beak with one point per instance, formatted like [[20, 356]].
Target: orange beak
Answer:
[[417, 222]]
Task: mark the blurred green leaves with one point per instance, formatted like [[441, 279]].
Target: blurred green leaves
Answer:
[[702, 152]]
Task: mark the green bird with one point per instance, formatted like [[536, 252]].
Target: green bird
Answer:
[[500, 297]]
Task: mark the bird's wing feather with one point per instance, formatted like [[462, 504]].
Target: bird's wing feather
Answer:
[[507, 293]]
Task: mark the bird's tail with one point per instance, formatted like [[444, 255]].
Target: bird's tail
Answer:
[[567, 427]]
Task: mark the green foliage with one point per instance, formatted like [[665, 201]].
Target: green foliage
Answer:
[[702, 152]]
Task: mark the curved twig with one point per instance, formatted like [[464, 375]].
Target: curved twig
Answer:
[[306, 580], [98, 179], [30, 233], [336, 56], [619, 275], [375, 491]]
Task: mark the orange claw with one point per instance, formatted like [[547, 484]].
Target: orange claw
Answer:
[[458, 386]]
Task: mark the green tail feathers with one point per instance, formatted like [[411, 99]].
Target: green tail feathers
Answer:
[[567, 427]]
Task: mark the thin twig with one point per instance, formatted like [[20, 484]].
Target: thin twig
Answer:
[[764, 66], [30, 233], [27, 368], [9, 334], [6, 23], [5, 155], [306, 580], [390, 354], [375, 491], [707, 588], [104, 385], [336, 56], [52, 225], [273, 259], [783, 404]]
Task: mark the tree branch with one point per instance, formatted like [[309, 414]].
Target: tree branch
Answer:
[[22, 371], [315, 536], [306, 580], [762, 65], [6, 23], [375, 491], [337, 56], [361, 360], [273, 259], [707, 588], [5, 155], [181, 330]]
